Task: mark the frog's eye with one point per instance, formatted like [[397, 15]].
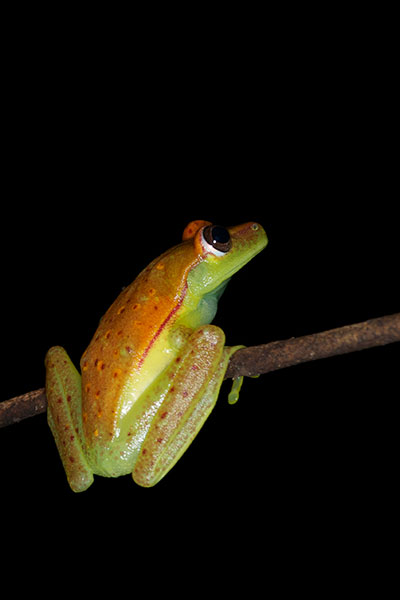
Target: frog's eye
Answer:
[[217, 239]]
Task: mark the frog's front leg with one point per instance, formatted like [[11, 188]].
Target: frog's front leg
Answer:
[[191, 385], [63, 391]]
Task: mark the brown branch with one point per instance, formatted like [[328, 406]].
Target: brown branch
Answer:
[[277, 355], [21, 407], [257, 360]]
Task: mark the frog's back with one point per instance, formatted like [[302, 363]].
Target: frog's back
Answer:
[[118, 365]]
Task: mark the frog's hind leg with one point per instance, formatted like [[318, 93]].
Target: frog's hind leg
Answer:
[[190, 397], [63, 391]]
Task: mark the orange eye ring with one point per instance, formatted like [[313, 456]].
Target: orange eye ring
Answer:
[[192, 228]]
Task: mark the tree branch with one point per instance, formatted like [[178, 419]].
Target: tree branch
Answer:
[[277, 355], [257, 360]]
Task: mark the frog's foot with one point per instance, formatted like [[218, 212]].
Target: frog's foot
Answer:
[[233, 395], [63, 391], [237, 382]]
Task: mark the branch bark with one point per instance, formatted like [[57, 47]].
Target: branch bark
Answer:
[[351, 338], [257, 360]]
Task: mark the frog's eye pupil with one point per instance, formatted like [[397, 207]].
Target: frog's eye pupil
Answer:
[[218, 237]]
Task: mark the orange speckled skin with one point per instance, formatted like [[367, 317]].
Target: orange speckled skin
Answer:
[[125, 335]]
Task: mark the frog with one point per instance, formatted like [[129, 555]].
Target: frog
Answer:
[[152, 372]]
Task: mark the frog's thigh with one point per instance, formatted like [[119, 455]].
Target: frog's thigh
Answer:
[[194, 381], [63, 391]]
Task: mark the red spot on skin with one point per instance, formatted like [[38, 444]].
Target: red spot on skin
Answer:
[[172, 390], [68, 398], [71, 458], [72, 438], [185, 394], [164, 415], [59, 400], [195, 368], [159, 440], [144, 451], [178, 359]]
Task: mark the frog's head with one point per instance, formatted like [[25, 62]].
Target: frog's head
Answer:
[[220, 252]]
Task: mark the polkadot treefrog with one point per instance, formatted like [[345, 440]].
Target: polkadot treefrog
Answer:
[[152, 372]]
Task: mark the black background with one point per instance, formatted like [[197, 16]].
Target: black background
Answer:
[[103, 170]]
